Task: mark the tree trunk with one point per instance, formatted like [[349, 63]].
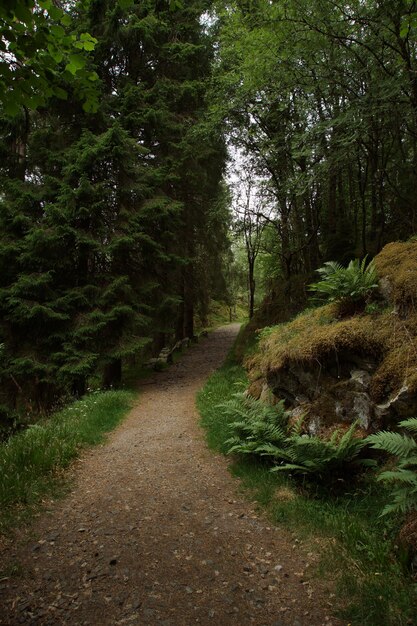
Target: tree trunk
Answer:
[[251, 282], [112, 374]]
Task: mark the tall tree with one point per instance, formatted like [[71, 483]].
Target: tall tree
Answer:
[[103, 219], [311, 91]]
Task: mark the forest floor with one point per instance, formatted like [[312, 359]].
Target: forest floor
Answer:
[[155, 531]]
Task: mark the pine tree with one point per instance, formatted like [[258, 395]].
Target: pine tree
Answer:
[[106, 217]]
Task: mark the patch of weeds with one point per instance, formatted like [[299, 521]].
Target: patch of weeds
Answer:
[[228, 379]]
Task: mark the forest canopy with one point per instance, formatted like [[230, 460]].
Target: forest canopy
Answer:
[[113, 215], [117, 120]]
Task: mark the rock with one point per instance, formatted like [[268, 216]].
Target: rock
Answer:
[[267, 397], [335, 390], [402, 405], [386, 289], [361, 379], [165, 355], [185, 342]]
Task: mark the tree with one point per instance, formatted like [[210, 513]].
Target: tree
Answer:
[[130, 193], [250, 220], [311, 91]]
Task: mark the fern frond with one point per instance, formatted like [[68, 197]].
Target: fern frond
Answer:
[[410, 424], [298, 425], [403, 502], [400, 475], [394, 443], [270, 450], [288, 467]]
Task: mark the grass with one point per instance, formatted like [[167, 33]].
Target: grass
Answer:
[[31, 462], [361, 554]]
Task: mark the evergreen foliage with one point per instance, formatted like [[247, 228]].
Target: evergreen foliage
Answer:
[[113, 224]]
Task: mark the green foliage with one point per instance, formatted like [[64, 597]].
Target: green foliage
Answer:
[[30, 460], [256, 428], [402, 479], [306, 91], [356, 547], [264, 431], [133, 195], [353, 283], [38, 49], [219, 388]]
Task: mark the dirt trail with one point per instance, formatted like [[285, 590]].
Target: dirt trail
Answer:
[[155, 533]]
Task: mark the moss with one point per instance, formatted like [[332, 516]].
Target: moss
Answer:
[[387, 337], [397, 264]]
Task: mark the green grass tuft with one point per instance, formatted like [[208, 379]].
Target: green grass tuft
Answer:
[[227, 380], [31, 461]]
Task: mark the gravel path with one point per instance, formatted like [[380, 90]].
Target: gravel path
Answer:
[[155, 532]]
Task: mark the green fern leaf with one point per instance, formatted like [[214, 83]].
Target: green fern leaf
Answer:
[[400, 475], [394, 443], [410, 424], [288, 467]]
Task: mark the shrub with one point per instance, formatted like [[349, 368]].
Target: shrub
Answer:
[[403, 477]]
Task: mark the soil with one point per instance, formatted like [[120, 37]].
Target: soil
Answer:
[[155, 531]]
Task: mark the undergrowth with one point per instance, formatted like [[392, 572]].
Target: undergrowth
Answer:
[[265, 431], [358, 547], [31, 462], [403, 477]]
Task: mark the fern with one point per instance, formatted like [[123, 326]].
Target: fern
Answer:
[[403, 478], [265, 432], [325, 458], [410, 424], [393, 443], [354, 283], [253, 424]]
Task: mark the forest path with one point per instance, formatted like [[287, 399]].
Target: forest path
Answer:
[[154, 531]]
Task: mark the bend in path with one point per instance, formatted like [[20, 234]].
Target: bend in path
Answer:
[[155, 533]]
